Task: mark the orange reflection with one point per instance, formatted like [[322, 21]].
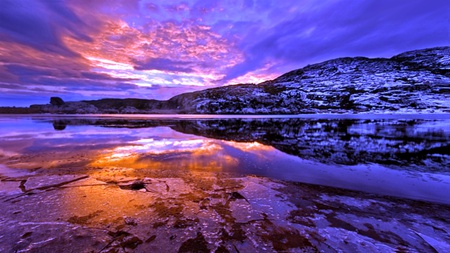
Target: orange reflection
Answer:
[[94, 203], [148, 156], [249, 146], [260, 150], [146, 160]]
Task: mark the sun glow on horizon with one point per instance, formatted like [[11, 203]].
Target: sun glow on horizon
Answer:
[[155, 49]]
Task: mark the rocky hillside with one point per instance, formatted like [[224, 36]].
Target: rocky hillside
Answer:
[[415, 81]]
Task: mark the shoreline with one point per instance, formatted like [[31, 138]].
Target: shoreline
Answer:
[[210, 211], [389, 115]]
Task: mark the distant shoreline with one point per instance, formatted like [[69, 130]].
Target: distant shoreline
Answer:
[[389, 115]]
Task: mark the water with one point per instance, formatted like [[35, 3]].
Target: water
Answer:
[[405, 156]]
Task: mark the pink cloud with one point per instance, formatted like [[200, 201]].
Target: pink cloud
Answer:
[[182, 7]]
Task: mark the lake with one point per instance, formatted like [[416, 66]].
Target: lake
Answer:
[[401, 156]]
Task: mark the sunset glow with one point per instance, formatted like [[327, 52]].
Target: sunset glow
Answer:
[[156, 49]]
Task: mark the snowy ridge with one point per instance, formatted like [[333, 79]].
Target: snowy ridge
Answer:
[[416, 81], [411, 82]]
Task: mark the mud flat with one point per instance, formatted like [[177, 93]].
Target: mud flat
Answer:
[[206, 212]]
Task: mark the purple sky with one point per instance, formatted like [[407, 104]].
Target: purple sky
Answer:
[[84, 49]]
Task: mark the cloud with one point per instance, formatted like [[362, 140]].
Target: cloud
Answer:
[[7, 76], [151, 49], [341, 28], [164, 65], [40, 25], [178, 8]]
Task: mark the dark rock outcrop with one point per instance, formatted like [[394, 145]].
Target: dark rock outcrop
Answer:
[[57, 101]]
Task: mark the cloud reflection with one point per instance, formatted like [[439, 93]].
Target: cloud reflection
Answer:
[[187, 155]]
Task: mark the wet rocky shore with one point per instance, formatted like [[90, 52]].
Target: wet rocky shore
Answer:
[[207, 212]]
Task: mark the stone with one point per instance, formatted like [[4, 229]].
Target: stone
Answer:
[[57, 101]]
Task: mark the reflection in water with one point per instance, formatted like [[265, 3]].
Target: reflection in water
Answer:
[[420, 144], [335, 152], [105, 185], [185, 156], [59, 125], [168, 155]]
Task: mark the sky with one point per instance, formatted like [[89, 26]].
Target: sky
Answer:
[[84, 49]]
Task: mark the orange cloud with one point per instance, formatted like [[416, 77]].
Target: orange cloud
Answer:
[[14, 53], [179, 49]]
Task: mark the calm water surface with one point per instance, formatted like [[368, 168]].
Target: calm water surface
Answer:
[[400, 155]]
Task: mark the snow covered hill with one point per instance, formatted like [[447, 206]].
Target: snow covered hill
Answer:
[[412, 82], [416, 81]]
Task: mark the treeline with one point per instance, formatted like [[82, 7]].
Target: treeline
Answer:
[[18, 110]]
